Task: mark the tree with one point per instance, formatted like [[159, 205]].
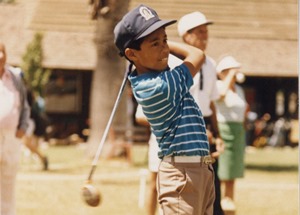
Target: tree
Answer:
[[108, 75], [35, 75], [7, 1]]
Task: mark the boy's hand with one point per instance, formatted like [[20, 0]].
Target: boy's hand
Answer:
[[193, 57]]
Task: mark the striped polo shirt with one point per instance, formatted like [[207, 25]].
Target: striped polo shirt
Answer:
[[174, 116]]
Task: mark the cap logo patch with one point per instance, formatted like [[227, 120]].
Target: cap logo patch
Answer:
[[146, 13]]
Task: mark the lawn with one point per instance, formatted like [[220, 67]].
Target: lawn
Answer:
[[270, 186]]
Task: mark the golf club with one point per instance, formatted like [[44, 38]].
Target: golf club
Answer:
[[90, 194]]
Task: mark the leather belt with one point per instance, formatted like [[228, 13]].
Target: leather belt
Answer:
[[190, 159]]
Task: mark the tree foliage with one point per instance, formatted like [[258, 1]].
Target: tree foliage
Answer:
[[7, 1], [35, 75]]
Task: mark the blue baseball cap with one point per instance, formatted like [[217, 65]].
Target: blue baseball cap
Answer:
[[136, 24]]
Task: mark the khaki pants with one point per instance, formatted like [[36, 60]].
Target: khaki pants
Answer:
[[186, 188], [9, 162]]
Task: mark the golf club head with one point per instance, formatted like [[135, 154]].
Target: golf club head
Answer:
[[91, 195]]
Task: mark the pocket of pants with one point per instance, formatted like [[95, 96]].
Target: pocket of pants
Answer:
[[210, 167], [172, 178], [182, 182]]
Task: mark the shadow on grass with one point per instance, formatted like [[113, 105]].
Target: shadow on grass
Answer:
[[272, 168]]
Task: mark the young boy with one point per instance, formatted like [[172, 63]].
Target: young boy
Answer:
[[185, 177]]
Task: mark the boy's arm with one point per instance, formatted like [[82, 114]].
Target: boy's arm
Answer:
[[192, 57]]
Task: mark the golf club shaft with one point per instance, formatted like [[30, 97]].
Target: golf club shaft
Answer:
[[97, 155]]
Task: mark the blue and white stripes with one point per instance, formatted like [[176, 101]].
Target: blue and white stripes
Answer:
[[174, 116]]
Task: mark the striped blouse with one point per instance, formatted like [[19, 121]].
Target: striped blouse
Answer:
[[174, 116]]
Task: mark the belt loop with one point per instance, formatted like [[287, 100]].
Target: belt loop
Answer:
[[172, 159], [202, 159]]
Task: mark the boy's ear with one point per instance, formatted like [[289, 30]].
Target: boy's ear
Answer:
[[130, 54]]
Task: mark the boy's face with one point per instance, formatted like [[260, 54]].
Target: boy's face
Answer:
[[153, 53]]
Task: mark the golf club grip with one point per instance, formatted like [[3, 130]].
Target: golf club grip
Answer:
[[97, 155]]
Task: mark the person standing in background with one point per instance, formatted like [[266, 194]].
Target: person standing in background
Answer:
[[193, 29], [153, 164], [14, 117], [232, 110], [37, 128]]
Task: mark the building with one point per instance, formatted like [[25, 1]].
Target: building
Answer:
[[262, 35]]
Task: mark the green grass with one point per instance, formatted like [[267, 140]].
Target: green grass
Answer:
[[270, 186]]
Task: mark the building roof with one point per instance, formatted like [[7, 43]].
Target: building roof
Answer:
[[262, 35], [68, 32], [252, 19]]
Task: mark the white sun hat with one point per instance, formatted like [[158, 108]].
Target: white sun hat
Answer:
[[227, 62], [190, 21]]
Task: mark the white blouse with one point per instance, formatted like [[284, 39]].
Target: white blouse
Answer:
[[233, 106]]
